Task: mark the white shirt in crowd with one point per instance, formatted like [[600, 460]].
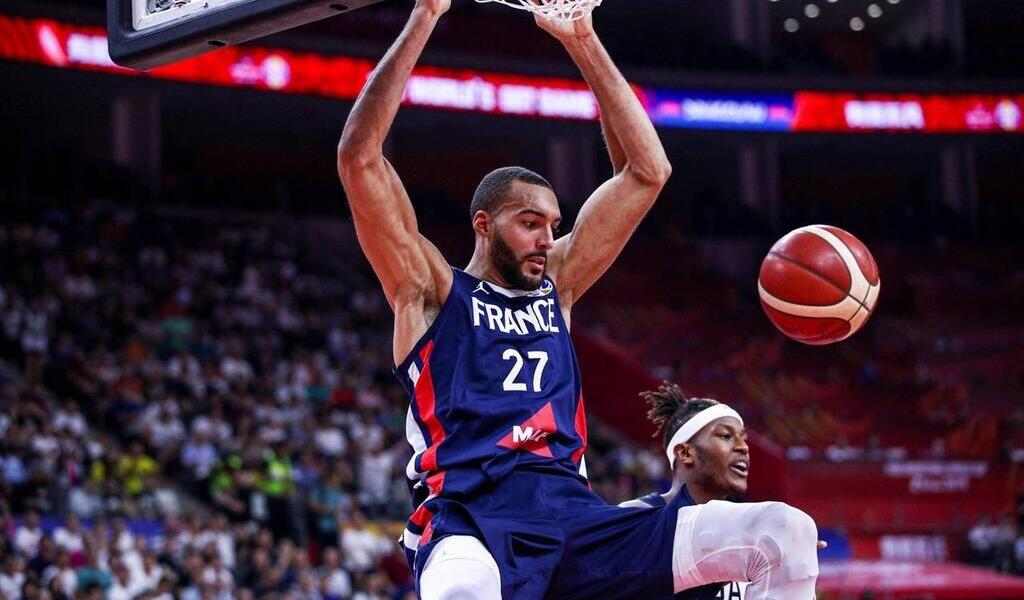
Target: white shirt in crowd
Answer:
[[200, 456], [10, 585], [375, 477], [136, 569], [151, 578], [222, 541], [164, 433], [362, 548], [125, 541], [68, 578], [70, 420], [211, 429], [27, 540], [45, 444], [337, 583], [71, 541], [330, 440], [122, 590], [218, 577]]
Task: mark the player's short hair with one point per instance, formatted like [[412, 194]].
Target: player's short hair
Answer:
[[493, 188], [670, 408]]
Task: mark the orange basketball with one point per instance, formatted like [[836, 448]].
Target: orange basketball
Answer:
[[819, 284]]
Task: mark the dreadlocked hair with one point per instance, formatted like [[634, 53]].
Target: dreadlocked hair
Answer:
[[670, 408]]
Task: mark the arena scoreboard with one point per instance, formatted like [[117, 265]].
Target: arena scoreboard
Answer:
[[143, 34]]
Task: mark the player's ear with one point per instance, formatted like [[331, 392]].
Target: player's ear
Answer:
[[684, 454], [483, 224]]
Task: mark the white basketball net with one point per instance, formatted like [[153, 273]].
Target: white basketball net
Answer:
[[556, 10]]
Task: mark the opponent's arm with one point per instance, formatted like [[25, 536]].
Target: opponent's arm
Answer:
[[614, 210], [411, 270]]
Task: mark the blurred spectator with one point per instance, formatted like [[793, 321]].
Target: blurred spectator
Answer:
[[61, 576], [362, 543], [136, 470], [28, 535], [328, 503], [278, 487], [69, 536], [12, 577], [336, 581]]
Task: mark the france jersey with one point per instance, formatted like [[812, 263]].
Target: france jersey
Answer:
[[494, 387]]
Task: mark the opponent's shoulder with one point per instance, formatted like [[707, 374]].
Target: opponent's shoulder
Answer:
[[652, 500], [634, 503]]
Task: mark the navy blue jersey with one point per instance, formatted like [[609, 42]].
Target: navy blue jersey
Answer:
[[493, 386], [654, 499], [714, 591]]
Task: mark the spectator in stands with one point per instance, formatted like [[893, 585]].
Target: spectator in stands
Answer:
[[200, 456], [12, 577], [28, 535], [165, 433], [69, 536], [278, 487], [327, 503], [375, 473], [335, 581], [361, 543], [92, 574], [122, 587], [63, 573], [228, 487], [136, 470], [45, 556]]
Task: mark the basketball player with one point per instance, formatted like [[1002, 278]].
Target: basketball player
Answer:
[[713, 464], [710, 461], [496, 416]]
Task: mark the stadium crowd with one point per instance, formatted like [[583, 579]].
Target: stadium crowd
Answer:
[[997, 542], [195, 407]]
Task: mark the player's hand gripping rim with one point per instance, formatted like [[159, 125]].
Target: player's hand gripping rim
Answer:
[[565, 31]]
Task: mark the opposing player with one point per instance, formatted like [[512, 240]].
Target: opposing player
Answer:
[[496, 416], [709, 459], [706, 446]]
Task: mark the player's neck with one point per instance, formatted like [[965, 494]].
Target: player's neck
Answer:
[[482, 269], [701, 494]]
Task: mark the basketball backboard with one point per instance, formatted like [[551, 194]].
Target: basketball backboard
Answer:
[[143, 34]]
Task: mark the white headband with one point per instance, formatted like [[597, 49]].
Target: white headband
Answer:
[[695, 424]]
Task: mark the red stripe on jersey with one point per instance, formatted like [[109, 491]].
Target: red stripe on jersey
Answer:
[[427, 534], [422, 516], [581, 430], [435, 482], [425, 406]]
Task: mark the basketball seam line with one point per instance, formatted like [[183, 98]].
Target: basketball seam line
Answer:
[[815, 274]]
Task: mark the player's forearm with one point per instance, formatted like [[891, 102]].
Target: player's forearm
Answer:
[[611, 140], [375, 109], [626, 124]]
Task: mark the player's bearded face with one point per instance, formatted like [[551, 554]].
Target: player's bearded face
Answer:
[[513, 267]]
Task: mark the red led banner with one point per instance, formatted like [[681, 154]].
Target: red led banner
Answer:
[[60, 45], [819, 111]]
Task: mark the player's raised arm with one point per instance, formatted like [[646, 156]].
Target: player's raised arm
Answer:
[[614, 210], [412, 272]]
